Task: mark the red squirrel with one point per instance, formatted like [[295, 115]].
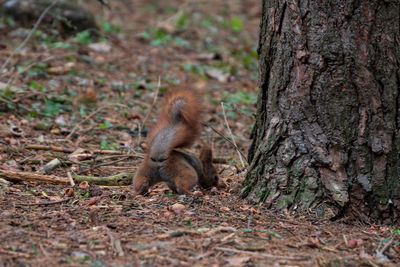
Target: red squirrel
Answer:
[[177, 127]]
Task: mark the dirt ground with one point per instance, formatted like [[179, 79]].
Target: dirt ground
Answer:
[[98, 94]]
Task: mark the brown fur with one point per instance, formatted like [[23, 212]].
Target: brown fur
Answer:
[[178, 126]]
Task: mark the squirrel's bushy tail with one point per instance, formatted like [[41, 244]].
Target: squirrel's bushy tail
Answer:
[[178, 126]]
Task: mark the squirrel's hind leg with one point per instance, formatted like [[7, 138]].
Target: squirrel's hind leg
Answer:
[[186, 181], [141, 184]]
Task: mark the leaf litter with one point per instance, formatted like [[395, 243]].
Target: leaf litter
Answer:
[[81, 102]]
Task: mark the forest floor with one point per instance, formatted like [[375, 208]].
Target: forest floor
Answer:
[[79, 92]]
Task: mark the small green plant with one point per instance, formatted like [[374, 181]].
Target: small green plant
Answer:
[[104, 144], [38, 69], [157, 36], [196, 69], [181, 42], [110, 28], [169, 193], [6, 94], [105, 125], [236, 24], [34, 249], [188, 221], [52, 107], [209, 24], [395, 230], [249, 57], [82, 110], [83, 37], [44, 38], [9, 21], [238, 102], [32, 191], [34, 85], [242, 97], [182, 21], [226, 67], [62, 45], [160, 37]]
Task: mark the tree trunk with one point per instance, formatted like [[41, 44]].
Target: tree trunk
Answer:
[[327, 131]]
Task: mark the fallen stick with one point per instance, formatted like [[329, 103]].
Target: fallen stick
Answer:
[[32, 177], [105, 152], [53, 148], [51, 165], [71, 181], [71, 150], [124, 178], [265, 255], [46, 202]]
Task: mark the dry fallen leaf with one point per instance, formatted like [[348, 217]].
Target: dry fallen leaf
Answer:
[[100, 47], [177, 207], [87, 96], [237, 261], [93, 200], [61, 69], [218, 75], [84, 184], [69, 192]]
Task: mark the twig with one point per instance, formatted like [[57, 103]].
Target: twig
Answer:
[[46, 203], [181, 9], [44, 251], [232, 137], [106, 152], [51, 165], [70, 150], [123, 178], [27, 37], [223, 136], [386, 246], [54, 148], [71, 181], [141, 126], [265, 255], [115, 244], [16, 74], [5, 100], [91, 115], [114, 161], [32, 177]]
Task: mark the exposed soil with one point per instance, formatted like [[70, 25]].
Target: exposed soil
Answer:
[[79, 92]]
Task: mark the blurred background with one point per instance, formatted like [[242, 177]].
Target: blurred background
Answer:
[[62, 60]]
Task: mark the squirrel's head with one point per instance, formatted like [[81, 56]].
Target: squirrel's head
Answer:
[[210, 173]]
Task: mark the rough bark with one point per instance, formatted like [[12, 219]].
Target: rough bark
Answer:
[[327, 131]]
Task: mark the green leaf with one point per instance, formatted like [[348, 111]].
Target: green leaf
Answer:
[[110, 28], [236, 24], [105, 125], [84, 37], [182, 21], [104, 144]]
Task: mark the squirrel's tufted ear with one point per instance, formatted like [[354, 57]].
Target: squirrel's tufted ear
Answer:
[[206, 155]]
